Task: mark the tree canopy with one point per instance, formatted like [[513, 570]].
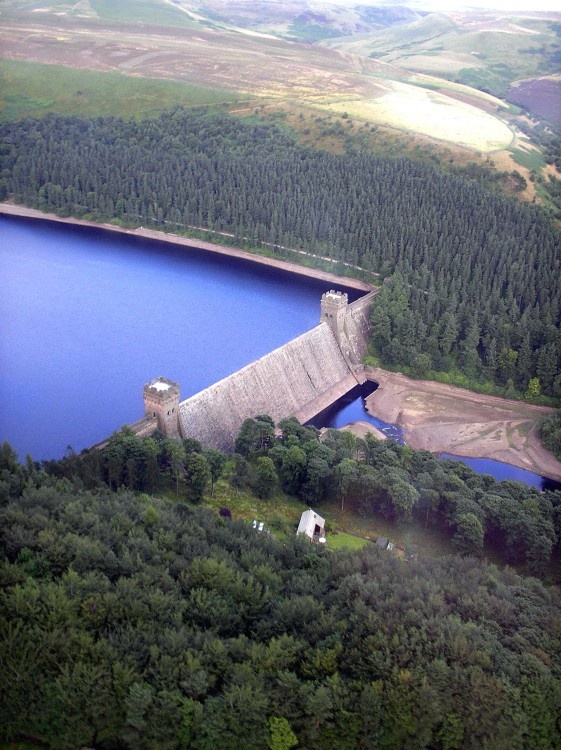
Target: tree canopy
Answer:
[[129, 621]]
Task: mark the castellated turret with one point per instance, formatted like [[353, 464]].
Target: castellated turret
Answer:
[[161, 400], [333, 310]]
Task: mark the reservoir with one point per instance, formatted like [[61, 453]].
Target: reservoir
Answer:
[[89, 316]]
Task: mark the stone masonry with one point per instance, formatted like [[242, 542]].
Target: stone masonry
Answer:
[[299, 379]]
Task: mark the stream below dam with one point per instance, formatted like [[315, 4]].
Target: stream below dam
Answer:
[[352, 408]]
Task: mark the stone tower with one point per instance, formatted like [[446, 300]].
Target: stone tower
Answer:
[[161, 400], [333, 311]]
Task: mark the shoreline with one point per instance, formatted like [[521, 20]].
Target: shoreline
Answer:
[[13, 209], [435, 417], [443, 418]]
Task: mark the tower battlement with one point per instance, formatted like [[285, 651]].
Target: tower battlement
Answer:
[[334, 307], [161, 400], [333, 302]]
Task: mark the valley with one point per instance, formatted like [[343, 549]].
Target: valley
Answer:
[[429, 82]]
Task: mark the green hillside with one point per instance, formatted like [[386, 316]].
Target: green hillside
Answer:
[[487, 53], [30, 89]]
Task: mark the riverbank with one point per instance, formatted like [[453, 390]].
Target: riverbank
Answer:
[[11, 209], [445, 419]]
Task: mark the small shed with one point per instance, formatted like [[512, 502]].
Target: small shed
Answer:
[[384, 543], [312, 525]]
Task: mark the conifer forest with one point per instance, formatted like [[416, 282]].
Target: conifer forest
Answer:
[[475, 275]]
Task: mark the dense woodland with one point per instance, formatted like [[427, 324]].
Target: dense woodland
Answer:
[[550, 433], [133, 622], [519, 524], [477, 273]]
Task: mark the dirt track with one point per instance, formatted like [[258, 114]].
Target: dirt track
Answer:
[[441, 418]]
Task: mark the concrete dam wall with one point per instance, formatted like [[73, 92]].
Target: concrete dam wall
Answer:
[[289, 381], [299, 379]]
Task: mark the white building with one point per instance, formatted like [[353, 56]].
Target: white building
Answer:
[[312, 525]]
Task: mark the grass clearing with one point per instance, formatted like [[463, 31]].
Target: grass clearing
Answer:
[[281, 513], [341, 540], [411, 536], [530, 158], [430, 113], [345, 529], [34, 90]]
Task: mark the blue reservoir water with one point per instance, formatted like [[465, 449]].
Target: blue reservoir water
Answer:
[[87, 317], [500, 471]]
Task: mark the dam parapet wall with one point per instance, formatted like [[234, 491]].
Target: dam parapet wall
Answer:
[[350, 323]]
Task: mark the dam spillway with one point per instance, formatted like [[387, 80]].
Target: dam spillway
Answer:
[[299, 379]]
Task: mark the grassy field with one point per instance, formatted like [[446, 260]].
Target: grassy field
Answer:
[[345, 529], [430, 113], [32, 90], [342, 540]]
